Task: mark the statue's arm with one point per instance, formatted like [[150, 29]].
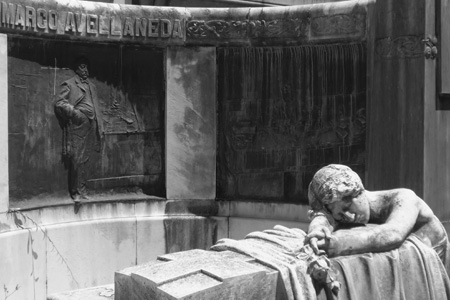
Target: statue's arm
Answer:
[[319, 231], [376, 238], [319, 222], [63, 108]]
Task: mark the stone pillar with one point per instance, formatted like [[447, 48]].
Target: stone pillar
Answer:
[[445, 45], [191, 123], [4, 186], [437, 122], [395, 111]]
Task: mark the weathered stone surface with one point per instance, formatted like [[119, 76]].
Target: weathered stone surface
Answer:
[[4, 178], [197, 274], [87, 254], [240, 227], [185, 233], [104, 292], [169, 26], [275, 130], [23, 264], [191, 123], [347, 20]]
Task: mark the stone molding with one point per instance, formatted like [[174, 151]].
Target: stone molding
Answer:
[[4, 177], [171, 26], [156, 208], [409, 46]]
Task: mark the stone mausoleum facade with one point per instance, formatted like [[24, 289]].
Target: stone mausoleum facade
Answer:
[[210, 120]]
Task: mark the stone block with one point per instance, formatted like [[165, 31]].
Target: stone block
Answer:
[[197, 274], [240, 227], [150, 238], [186, 233], [269, 211], [191, 123], [4, 180], [338, 20], [104, 292], [123, 284], [18, 220], [222, 228], [150, 208], [88, 211], [86, 254], [23, 264], [159, 235], [224, 208], [204, 207]]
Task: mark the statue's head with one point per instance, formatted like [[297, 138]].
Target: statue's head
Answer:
[[81, 67], [337, 189]]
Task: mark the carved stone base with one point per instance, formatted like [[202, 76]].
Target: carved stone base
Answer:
[[198, 274]]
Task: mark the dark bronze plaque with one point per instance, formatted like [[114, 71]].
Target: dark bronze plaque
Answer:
[[125, 87]]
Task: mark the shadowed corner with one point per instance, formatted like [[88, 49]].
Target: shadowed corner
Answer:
[[76, 207]]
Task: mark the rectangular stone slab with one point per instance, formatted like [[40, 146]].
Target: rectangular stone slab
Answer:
[[198, 274], [103, 292]]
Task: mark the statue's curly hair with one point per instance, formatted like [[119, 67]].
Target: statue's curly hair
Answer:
[[332, 183]]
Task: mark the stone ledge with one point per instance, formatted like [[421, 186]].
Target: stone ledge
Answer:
[[105, 209], [103, 292], [100, 210], [264, 210]]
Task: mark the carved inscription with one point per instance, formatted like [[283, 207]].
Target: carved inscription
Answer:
[[338, 25], [404, 46], [157, 25], [17, 16], [242, 29]]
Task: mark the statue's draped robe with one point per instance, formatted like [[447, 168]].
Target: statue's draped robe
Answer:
[[412, 272], [277, 249]]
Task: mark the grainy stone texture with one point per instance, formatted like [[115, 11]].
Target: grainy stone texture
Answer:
[[172, 26], [240, 227], [23, 264], [87, 254], [191, 123], [4, 185], [197, 274], [104, 292]]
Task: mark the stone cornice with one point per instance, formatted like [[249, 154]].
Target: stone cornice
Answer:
[[171, 26]]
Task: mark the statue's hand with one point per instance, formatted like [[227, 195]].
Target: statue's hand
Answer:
[[319, 239], [77, 117]]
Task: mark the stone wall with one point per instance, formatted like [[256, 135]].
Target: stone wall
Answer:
[[52, 249], [285, 113]]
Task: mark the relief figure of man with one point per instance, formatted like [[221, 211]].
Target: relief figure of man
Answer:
[[78, 113]]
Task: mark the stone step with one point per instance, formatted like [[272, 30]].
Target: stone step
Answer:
[[103, 292]]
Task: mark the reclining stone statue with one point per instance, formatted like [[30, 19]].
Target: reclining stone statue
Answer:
[[337, 197], [384, 245]]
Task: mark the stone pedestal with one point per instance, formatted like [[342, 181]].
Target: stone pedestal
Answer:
[[104, 292], [191, 123], [4, 185], [198, 274]]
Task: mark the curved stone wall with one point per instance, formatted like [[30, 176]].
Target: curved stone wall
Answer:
[[169, 26], [54, 249], [60, 246]]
